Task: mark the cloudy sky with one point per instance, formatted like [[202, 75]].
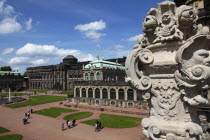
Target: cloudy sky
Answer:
[[43, 32]]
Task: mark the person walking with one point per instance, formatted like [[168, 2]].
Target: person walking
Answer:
[[69, 124], [62, 126], [96, 125], [73, 123], [99, 125], [67, 121]]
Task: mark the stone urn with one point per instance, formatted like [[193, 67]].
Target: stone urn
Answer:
[[170, 67]]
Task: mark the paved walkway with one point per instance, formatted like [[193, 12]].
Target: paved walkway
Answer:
[[46, 128]]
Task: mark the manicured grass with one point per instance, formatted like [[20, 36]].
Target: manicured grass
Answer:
[[36, 90], [77, 116], [66, 92], [37, 100], [12, 94], [11, 137], [115, 121], [54, 111], [3, 130]]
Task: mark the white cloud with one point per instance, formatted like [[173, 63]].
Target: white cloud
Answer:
[[28, 24], [90, 29], [7, 51], [50, 51], [133, 38], [44, 50], [92, 26], [5, 10], [9, 25], [118, 46], [26, 61], [94, 35], [8, 22], [88, 57]]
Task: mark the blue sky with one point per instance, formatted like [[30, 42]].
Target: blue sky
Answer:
[[43, 32]]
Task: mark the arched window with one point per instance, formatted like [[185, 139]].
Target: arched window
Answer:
[[112, 103], [97, 93], [70, 74], [90, 93], [77, 92], [86, 76], [92, 76], [79, 74], [130, 94], [97, 102], [105, 93], [83, 92], [130, 105], [112, 94], [121, 94], [98, 76]]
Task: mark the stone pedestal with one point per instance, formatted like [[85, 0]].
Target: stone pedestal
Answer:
[[170, 66]]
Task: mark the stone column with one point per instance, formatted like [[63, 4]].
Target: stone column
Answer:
[[135, 95], [94, 94], [126, 94], [101, 94], [108, 93], [75, 92], [86, 89], [170, 68], [117, 94], [80, 89]]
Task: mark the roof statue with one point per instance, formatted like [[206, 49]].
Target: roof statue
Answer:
[[170, 66]]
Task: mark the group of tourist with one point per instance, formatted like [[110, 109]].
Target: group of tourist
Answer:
[[101, 108], [68, 124], [67, 105], [27, 116], [97, 126]]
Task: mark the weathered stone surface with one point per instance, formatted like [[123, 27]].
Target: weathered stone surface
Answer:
[[170, 66]]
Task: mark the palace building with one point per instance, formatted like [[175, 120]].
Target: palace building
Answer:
[[100, 82], [104, 84], [12, 80]]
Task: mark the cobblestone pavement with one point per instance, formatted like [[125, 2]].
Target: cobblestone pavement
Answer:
[[46, 128]]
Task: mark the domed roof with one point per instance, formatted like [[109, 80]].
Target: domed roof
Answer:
[[70, 57], [105, 64]]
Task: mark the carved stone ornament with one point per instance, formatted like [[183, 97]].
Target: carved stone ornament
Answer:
[[170, 66]]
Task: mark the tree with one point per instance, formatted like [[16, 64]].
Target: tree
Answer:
[[6, 68]]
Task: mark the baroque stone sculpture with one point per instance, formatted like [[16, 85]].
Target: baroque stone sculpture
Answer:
[[170, 66]]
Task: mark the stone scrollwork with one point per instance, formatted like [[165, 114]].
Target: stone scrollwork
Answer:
[[134, 61], [195, 67], [170, 66], [145, 56]]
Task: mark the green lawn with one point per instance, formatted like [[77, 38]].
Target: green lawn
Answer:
[[37, 100], [2, 130], [77, 116], [115, 121], [11, 137], [66, 92], [36, 90], [12, 94], [53, 111]]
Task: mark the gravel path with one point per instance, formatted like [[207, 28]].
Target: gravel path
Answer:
[[47, 128]]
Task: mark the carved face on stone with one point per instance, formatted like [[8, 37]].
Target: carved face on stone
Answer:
[[201, 57], [166, 17], [198, 66], [187, 15], [150, 23]]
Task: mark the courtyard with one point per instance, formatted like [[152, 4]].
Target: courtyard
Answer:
[[45, 122]]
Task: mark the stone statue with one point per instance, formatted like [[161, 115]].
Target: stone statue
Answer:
[[170, 66]]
